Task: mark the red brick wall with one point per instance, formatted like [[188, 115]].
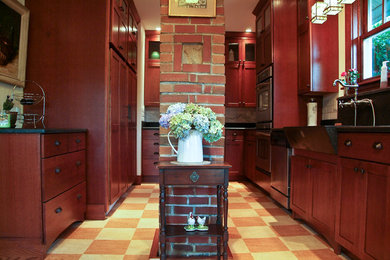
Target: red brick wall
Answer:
[[203, 84]]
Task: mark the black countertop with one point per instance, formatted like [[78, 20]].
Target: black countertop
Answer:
[[239, 126], [40, 130], [363, 129]]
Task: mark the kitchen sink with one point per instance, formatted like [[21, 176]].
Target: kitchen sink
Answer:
[[313, 138]]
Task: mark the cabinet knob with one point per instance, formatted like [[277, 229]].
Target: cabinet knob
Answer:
[[78, 141], [78, 163], [309, 166], [155, 163], [57, 143], [348, 143], [156, 144], [79, 196], [57, 170], [234, 134], [58, 210], [156, 134], [121, 47], [377, 146], [356, 169], [362, 171], [156, 153]]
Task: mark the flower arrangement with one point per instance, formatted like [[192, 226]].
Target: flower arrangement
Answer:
[[351, 76], [182, 118]]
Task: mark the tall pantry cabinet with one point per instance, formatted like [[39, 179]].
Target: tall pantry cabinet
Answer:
[[83, 53]]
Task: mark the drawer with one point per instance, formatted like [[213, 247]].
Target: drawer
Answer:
[[194, 177], [151, 135], [76, 142], [149, 167], [150, 149], [365, 146], [54, 144], [60, 173], [62, 211], [234, 135]]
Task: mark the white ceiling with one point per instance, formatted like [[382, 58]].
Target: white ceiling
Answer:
[[238, 14]]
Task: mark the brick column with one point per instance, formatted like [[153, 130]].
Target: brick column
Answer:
[[192, 69]]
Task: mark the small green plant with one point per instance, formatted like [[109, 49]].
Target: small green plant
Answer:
[[8, 104]]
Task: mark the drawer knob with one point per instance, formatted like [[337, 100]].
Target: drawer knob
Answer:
[[156, 144], [57, 143], [362, 171], [309, 166], [156, 153], [57, 170], [234, 134], [58, 210], [194, 176], [356, 169], [155, 163], [348, 143], [79, 196], [156, 134], [78, 163], [78, 141], [378, 146]]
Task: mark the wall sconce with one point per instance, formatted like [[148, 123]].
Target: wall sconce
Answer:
[[317, 13], [345, 1], [333, 7]]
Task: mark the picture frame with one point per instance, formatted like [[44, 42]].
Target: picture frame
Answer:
[[14, 21], [192, 8]]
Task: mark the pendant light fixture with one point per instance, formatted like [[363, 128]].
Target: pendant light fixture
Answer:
[[317, 13], [333, 7], [345, 1]]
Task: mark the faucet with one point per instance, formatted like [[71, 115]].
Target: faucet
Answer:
[[355, 100]]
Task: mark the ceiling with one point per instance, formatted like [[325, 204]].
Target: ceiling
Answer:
[[238, 14]]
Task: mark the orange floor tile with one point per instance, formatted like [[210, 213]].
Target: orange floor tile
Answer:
[[258, 229]]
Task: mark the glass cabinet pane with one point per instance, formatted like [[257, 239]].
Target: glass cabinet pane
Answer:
[[250, 51], [267, 17], [233, 51], [154, 50]]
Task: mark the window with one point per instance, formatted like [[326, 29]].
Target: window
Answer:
[[375, 36]]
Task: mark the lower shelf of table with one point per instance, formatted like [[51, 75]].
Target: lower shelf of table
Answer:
[[179, 231]]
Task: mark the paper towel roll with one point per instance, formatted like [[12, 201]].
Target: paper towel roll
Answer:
[[312, 113]]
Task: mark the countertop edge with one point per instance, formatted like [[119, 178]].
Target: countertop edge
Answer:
[[41, 130]]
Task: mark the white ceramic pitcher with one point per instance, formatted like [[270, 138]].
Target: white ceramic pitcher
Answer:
[[190, 149]]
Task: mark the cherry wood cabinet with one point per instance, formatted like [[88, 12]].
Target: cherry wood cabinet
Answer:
[[363, 195], [152, 68], [250, 154], [240, 69], [317, 52], [42, 188], [77, 81], [150, 154], [263, 36], [313, 178], [234, 151]]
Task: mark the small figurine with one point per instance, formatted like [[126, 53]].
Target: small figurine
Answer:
[[201, 221], [190, 222]]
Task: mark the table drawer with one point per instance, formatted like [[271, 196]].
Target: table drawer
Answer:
[[234, 135], [194, 177], [149, 167], [60, 173], [76, 142], [62, 211], [54, 144], [150, 149], [366, 146], [151, 135]]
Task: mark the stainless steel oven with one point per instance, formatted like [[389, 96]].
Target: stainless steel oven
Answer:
[[264, 98]]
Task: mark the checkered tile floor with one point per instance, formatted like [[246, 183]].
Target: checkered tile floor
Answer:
[[258, 229]]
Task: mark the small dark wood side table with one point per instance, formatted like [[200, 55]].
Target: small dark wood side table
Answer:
[[214, 174]]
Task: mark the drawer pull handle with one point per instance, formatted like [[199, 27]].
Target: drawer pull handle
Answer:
[[155, 163], [58, 210], [156, 134], [194, 176], [362, 171], [156, 153], [78, 163], [156, 144], [355, 169], [348, 143], [57, 143], [57, 170], [79, 196], [378, 146], [78, 141], [309, 166]]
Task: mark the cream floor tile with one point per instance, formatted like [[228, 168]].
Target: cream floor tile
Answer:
[[303, 243], [101, 257], [284, 255], [155, 195], [237, 200], [279, 220], [141, 191], [70, 246], [139, 247], [152, 206], [116, 234], [256, 232], [230, 222], [136, 200], [255, 205], [242, 213], [238, 246], [127, 213], [268, 205], [94, 223], [148, 223]]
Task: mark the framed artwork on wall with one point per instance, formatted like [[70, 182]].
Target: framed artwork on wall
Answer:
[[14, 18], [192, 8]]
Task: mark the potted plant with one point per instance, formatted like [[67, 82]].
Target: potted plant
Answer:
[[7, 106], [190, 123]]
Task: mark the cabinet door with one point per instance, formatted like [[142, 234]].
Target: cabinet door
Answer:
[[376, 211], [234, 149], [123, 144], [152, 70], [248, 82], [349, 204], [132, 127], [323, 210], [249, 159], [300, 186], [233, 75]]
